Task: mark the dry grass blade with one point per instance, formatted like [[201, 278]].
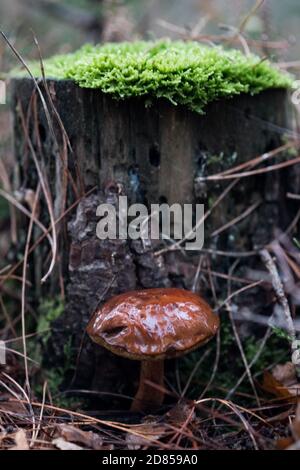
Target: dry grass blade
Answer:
[[215, 366], [29, 233], [41, 238], [7, 187], [243, 355], [246, 174], [44, 104], [12, 200], [20, 440], [238, 292], [45, 187], [237, 219], [250, 365], [237, 410]]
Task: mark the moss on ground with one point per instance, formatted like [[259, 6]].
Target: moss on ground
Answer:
[[185, 73], [49, 310]]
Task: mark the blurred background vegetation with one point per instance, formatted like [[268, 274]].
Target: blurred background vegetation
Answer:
[[64, 25]]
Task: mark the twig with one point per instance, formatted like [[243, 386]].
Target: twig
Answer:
[[279, 291], [237, 219], [237, 292], [47, 195], [246, 19], [257, 160], [293, 196], [35, 435], [281, 297], [246, 174], [196, 278], [7, 186], [219, 38], [23, 303]]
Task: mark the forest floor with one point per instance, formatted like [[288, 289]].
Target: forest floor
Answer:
[[241, 392]]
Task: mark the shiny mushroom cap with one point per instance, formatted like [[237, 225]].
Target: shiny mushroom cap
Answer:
[[153, 324]]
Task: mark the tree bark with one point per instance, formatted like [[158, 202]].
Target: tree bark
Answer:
[[151, 154]]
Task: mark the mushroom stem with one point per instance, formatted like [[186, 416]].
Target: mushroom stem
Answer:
[[149, 397]]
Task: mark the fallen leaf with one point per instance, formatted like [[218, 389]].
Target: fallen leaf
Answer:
[[20, 440], [282, 382], [62, 444], [291, 442], [87, 438], [296, 424], [285, 373], [284, 442], [13, 406], [180, 414], [145, 434]]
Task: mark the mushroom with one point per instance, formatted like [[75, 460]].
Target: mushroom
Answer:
[[150, 326]]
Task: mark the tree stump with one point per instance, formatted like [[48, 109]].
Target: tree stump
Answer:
[[152, 155]]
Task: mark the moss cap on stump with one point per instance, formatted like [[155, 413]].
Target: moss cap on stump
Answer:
[[186, 73]]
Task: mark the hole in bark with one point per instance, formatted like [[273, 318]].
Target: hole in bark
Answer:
[[271, 145], [42, 133], [201, 154], [154, 156], [247, 113], [110, 332], [163, 200]]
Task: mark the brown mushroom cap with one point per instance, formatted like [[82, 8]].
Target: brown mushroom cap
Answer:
[[153, 324]]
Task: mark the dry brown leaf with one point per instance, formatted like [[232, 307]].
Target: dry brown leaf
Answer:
[[20, 440], [3, 435], [180, 414], [153, 430], [296, 424], [145, 434], [87, 438], [62, 444], [282, 382], [284, 443], [285, 373], [12, 406], [292, 442]]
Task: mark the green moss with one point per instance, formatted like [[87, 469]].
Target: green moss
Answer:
[[185, 73], [48, 311]]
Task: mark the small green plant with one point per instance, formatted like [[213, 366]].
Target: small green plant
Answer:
[[296, 242], [281, 333], [48, 311]]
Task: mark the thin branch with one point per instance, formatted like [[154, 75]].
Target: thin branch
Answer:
[[279, 291]]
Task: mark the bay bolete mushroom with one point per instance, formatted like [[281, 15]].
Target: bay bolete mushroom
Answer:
[[150, 326]]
